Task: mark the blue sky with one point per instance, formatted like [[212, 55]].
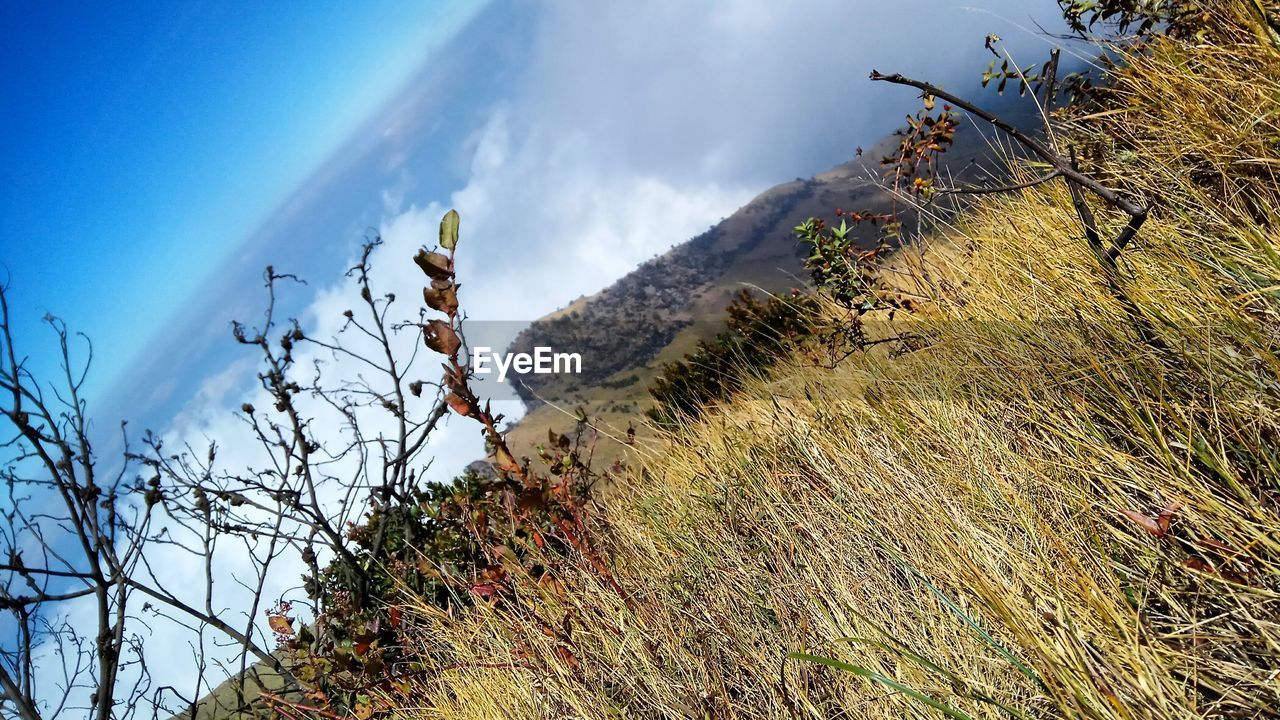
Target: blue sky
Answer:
[[143, 146]]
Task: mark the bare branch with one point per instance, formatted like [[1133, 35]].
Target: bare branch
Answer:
[[1066, 168], [1032, 144], [1001, 189]]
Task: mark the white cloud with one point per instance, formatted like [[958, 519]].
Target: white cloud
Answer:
[[748, 91], [634, 127]]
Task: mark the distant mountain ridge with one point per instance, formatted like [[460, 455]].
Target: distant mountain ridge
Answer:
[[630, 321], [656, 313]]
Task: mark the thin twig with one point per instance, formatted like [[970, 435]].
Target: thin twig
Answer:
[[1066, 168], [1051, 81], [1086, 217], [1129, 232], [1032, 144], [1001, 189]]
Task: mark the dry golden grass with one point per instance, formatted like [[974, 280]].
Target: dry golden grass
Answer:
[[963, 521]]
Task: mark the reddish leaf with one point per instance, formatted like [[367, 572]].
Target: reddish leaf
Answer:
[[549, 582], [566, 655], [1166, 515], [1200, 566], [1149, 524], [281, 625], [435, 265], [1220, 547], [444, 300], [439, 336], [459, 404]]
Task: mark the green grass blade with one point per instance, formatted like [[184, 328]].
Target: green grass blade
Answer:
[[901, 650], [973, 624], [888, 682]]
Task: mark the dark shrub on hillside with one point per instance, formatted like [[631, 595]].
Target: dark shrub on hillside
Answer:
[[759, 333]]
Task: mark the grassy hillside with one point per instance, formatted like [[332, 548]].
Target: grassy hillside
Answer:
[[1046, 505]]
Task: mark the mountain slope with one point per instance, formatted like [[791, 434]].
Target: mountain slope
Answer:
[[1060, 499]]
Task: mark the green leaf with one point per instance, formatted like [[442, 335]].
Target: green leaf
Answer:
[[941, 707], [898, 648], [449, 230], [960, 613]]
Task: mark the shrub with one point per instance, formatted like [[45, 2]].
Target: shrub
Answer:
[[758, 334]]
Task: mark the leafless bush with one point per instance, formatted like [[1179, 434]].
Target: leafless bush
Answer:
[[90, 543]]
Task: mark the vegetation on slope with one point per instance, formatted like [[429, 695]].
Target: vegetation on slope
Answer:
[[633, 331], [627, 325], [1057, 500]]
